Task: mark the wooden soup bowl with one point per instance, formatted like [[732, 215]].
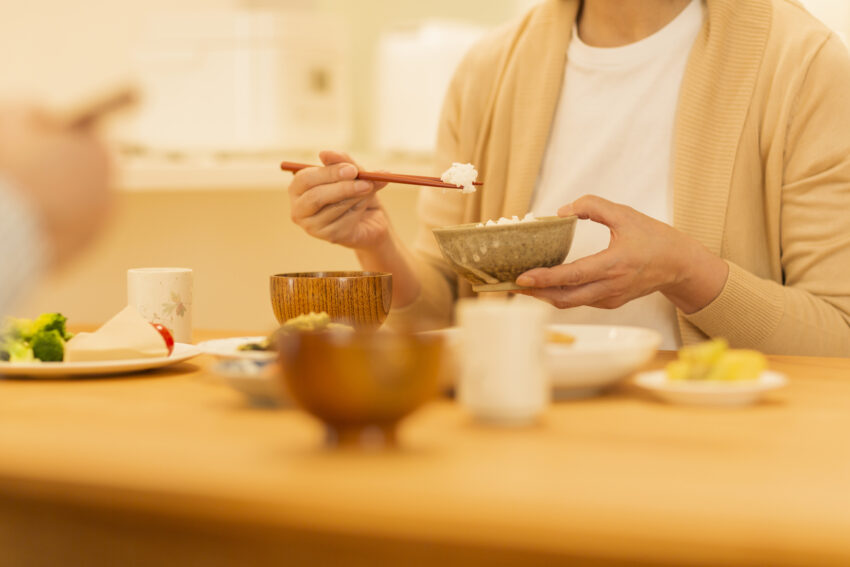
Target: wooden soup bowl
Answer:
[[359, 299], [360, 384]]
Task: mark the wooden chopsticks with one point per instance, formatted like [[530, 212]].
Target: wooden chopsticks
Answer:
[[387, 177]]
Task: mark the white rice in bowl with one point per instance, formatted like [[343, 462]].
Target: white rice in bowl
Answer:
[[513, 220]]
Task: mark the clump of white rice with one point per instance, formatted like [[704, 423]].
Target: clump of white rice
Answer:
[[513, 220], [462, 175]]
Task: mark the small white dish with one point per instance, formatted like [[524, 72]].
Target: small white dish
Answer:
[[600, 357], [181, 353], [228, 349], [256, 379], [710, 393]]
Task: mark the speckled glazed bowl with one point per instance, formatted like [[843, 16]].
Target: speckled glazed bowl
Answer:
[[492, 257], [359, 299]]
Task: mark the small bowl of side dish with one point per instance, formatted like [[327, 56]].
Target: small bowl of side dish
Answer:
[[256, 380], [359, 299], [234, 348], [710, 392], [492, 257], [360, 384], [712, 374]]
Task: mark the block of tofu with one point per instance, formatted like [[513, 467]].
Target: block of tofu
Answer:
[[128, 335]]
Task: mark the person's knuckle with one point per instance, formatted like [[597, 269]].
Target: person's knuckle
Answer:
[[617, 288], [348, 188], [315, 199], [342, 171]]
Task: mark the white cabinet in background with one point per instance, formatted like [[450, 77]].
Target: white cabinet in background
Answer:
[[242, 81]]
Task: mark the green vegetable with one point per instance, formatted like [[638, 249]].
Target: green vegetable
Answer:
[[50, 322], [48, 346], [25, 340], [19, 351], [308, 322]]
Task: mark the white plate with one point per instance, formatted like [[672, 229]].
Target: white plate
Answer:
[[601, 356], [181, 352], [228, 349], [256, 379], [710, 393]]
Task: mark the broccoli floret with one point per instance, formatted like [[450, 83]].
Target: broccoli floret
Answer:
[[48, 346], [50, 322], [6, 342], [24, 340], [20, 351], [14, 329]]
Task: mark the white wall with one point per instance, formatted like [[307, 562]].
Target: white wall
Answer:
[[834, 13], [59, 51]]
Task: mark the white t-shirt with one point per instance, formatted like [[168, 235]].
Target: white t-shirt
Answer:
[[612, 136], [22, 247]]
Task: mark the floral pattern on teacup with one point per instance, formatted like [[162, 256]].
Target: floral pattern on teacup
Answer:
[[175, 307]]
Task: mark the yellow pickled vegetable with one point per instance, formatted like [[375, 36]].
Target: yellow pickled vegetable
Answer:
[[714, 360]]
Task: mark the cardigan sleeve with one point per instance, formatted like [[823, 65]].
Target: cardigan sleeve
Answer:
[[809, 313], [434, 307], [22, 247]]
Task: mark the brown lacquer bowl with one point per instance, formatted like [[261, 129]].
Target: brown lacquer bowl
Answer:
[[359, 299], [360, 384]]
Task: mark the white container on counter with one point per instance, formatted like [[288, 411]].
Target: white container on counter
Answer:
[[242, 81], [503, 375]]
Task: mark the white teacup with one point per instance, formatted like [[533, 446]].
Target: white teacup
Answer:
[[163, 295]]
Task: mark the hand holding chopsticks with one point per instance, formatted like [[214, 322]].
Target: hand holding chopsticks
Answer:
[[383, 177]]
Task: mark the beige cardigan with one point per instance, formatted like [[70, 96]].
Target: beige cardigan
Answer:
[[761, 166]]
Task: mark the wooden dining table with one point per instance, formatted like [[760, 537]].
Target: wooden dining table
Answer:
[[171, 467]]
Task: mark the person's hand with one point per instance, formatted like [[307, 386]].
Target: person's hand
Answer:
[[644, 256], [63, 172], [330, 204]]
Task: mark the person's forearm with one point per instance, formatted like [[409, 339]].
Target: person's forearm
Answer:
[[393, 257]]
